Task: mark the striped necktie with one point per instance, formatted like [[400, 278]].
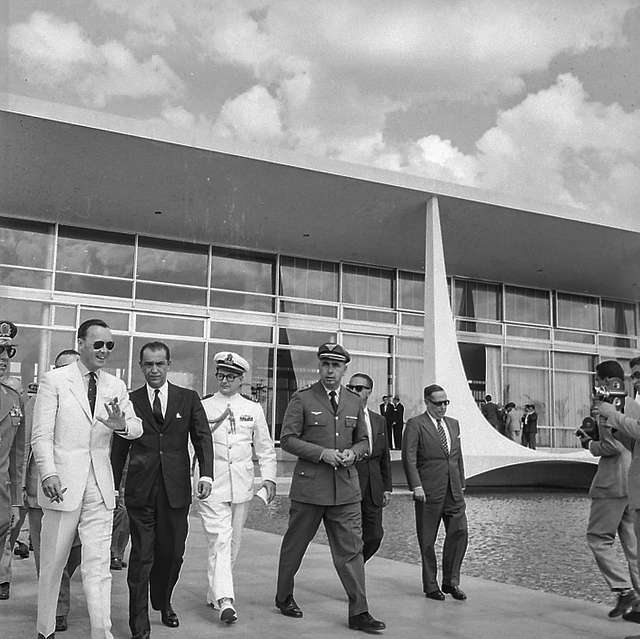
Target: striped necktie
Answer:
[[443, 436]]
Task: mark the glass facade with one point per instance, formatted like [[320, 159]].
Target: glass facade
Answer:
[[529, 345]]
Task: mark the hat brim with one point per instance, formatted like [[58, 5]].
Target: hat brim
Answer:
[[231, 367]]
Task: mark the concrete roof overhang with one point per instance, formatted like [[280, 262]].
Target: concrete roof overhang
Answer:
[[96, 170]]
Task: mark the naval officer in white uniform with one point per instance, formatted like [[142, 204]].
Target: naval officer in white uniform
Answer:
[[238, 425]]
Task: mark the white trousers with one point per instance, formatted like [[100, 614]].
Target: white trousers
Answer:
[[93, 521], [223, 523]]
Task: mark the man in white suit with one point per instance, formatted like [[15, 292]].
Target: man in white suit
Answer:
[[77, 410]]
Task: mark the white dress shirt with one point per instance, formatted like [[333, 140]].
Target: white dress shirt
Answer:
[[163, 395], [367, 420]]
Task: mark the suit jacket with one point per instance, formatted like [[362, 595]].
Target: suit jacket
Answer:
[[66, 440], [162, 453], [374, 471], [398, 413], [530, 423], [610, 480], [384, 409], [427, 464], [309, 426], [491, 414], [627, 427]]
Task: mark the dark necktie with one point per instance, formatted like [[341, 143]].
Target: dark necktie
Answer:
[[334, 402], [443, 436], [156, 409], [92, 391]]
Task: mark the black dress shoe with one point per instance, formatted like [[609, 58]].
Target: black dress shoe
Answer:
[[289, 607], [61, 623], [169, 617], [454, 591], [4, 590], [145, 634], [632, 615], [624, 603], [365, 622], [21, 550], [51, 636], [438, 595]]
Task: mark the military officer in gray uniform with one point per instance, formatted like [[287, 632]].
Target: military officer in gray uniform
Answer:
[[11, 443], [325, 427]]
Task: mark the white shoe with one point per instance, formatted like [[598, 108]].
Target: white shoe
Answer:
[[228, 613]]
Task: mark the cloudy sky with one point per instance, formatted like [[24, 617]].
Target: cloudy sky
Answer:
[[539, 98]]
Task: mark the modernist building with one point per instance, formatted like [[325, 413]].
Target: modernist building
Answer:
[[271, 254]]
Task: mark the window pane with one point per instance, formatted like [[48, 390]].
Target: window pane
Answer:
[[11, 276], [528, 332], [526, 357], [478, 300], [95, 252], [172, 262], [241, 271], [187, 363], [310, 279], [528, 386], [24, 243], [366, 343], [240, 332], [577, 311], [617, 342], [367, 286], [411, 293], [409, 319], [409, 386], [65, 316], [242, 301], [25, 312], [173, 294], [572, 399], [116, 321], [526, 305], [168, 325], [573, 362], [410, 346], [366, 315], [292, 336], [379, 369], [577, 338], [618, 318], [303, 308], [93, 285], [468, 326]]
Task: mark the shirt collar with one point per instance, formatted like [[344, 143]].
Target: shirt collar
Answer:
[[84, 371], [328, 390], [164, 390]]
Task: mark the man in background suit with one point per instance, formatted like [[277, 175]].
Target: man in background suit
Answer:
[[374, 471], [529, 426], [492, 413], [397, 422], [432, 460], [78, 409], [610, 514], [324, 427], [158, 485], [386, 410]]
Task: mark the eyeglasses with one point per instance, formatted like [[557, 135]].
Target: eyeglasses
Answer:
[[100, 345], [357, 387], [9, 350], [228, 376], [444, 402]]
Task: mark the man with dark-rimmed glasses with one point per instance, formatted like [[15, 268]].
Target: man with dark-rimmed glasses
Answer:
[[432, 460]]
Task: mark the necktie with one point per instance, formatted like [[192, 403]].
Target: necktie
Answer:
[[443, 437], [92, 391], [332, 399], [156, 409]]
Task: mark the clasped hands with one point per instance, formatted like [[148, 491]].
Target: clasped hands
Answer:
[[335, 457]]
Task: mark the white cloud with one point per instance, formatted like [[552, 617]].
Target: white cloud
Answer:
[[60, 54]]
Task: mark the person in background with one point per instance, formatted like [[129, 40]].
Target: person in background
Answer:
[[386, 410], [491, 413], [529, 422], [397, 422], [634, 365], [511, 422]]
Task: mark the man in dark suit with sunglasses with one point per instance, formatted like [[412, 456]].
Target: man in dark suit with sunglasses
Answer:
[[432, 460], [158, 485]]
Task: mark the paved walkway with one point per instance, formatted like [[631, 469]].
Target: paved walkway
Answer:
[[493, 611]]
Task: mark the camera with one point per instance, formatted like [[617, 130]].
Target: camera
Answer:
[[589, 429], [612, 393]]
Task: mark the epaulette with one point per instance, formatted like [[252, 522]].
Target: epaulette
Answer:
[[251, 399], [207, 396]]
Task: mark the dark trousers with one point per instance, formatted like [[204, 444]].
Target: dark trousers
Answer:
[[372, 531], [529, 440], [397, 435], [389, 430], [344, 532], [120, 533], [428, 518], [158, 535]]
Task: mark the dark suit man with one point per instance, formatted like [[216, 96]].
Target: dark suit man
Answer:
[[374, 471], [397, 422], [529, 426], [432, 460], [491, 413], [386, 410], [158, 485], [324, 426]]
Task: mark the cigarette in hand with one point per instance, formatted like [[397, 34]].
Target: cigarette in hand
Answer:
[[57, 497]]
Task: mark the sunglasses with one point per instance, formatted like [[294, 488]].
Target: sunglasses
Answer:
[[444, 402], [228, 376], [357, 387], [101, 344], [9, 350]]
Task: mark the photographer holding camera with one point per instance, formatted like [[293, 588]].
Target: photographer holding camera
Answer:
[[620, 415], [610, 513]]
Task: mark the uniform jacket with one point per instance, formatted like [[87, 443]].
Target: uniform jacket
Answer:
[[426, 463], [309, 426], [374, 470], [233, 447], [66, 440], [162, 453], [12, 439], [610, 480], [627, 426]]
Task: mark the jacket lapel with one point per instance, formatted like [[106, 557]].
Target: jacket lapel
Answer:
[[140, 401], [76, 385], [322, 396], [432, 431], [172, 406]]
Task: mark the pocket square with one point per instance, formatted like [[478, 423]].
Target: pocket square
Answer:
[[178, 416], [316, 412]]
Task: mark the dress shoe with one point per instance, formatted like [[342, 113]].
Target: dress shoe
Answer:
[[365, 622], [228, 613], [169, 617], [21, 550], [51, 636], [632, 615], [4, 590], [437, 595], [624, 603], [145, 634], [116, 564], [454, 591], [61, 623], [289, 607]]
